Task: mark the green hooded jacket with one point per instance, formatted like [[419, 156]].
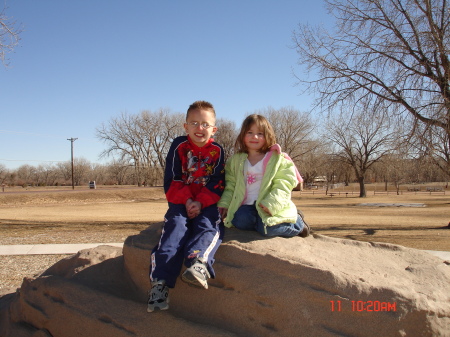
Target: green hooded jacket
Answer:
[[280, 177]]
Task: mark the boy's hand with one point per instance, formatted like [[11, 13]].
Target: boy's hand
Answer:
[[265, 209], [193, 208], [223, 212]]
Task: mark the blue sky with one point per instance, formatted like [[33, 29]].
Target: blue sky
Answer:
[[81, 63]]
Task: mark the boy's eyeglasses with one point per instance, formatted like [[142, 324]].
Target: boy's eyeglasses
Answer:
[[204, 125]]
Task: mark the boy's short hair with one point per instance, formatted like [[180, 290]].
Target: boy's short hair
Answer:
[[263, 124], [201, 105]]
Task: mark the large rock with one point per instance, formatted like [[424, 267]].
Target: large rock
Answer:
[[89, 295], [316, 286]]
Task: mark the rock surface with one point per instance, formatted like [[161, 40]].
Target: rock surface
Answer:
[[317, 286]]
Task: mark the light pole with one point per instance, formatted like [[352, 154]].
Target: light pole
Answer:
[[71, 153]]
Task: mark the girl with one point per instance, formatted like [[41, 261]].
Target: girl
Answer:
[[259, 180]]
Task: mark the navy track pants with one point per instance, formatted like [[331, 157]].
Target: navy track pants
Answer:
[[185, 239]]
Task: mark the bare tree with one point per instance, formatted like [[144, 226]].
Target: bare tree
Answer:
[[434, 143], [360, 141], [46, 175], [4, 173], [226, 136], [25, 174], [81, 170], [143, 140], [99, 174], [117, 172], [65, 170], [158, 130], [313, 163], [395, 50], [121, 137], [9, 36], [395, 167], [293, 130]]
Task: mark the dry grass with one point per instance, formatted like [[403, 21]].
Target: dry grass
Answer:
[[57, 215]]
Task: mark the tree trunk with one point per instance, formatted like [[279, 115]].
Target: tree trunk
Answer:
[[138, 172], [362, 187], [397, 187]]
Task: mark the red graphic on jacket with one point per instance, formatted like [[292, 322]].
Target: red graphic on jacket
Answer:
[[197, 170]]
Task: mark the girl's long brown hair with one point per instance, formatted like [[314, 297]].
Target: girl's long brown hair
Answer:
[[263, 124]]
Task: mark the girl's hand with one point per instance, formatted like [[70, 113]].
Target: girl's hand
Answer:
[[265, 209], [223, 211]]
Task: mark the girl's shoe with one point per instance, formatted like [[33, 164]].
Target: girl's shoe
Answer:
[[158, 296], [307, 229], [196, 275]]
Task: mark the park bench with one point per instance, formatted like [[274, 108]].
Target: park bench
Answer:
[[434, 189]]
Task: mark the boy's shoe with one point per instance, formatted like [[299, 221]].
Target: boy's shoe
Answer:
[[307, 229], [158, 296], [197, 275]]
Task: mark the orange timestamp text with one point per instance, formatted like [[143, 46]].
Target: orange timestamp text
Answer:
[[365, 306]]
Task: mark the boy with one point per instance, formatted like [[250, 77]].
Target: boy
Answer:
[[193, 230]]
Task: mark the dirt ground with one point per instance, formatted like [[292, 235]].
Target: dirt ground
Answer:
[[38, 216]]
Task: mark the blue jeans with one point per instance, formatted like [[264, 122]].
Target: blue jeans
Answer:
[[248, 219]]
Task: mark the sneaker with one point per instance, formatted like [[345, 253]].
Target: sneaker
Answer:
[[158, 296], [197, 275], [307, 229]]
